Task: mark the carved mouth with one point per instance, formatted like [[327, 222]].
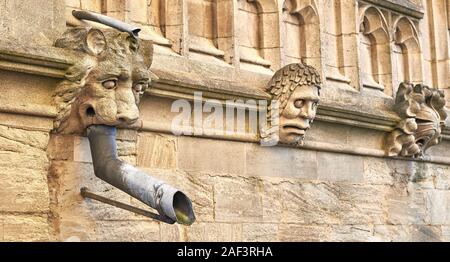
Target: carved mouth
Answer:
[[294, 129], [423, 121]]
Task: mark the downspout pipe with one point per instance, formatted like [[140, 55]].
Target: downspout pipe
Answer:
[[167, 200], [106, 20]]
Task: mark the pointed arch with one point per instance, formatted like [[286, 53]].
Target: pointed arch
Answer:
[[259, 41], [301, 28], [374, 51], [203, 27], [407, 52]]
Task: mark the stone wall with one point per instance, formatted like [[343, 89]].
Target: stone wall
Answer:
[[339, 187], [243, 192]]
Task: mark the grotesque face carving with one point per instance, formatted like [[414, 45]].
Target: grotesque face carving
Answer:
[[423, 116], [105, 86], [298, 114], [295, 90]]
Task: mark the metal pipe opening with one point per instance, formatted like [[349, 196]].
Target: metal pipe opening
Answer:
[[169, 201]]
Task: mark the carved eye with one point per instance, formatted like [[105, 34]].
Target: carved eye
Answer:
[[109, 84], [140, 87], [299, 103], [315, 105]]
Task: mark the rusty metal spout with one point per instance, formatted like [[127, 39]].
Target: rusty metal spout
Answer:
[[167, 200]]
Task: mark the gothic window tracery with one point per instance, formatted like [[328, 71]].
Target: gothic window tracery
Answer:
[[374, 51]]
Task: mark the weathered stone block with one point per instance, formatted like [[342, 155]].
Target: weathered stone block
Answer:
[[423, 175], [73, 3], [303, 233], [157, 151], [352, 233], [392, 233], [437, 207], [294, 202], [19, 20], [337, 167], [139, 11], [259, 232], [34, 139], [377, 171], [224, 157], [212, 232], [280, 162], [23, 176], [92, 5], [81, 150], [26, 227], [237, 199], [11, 159], [127, 135], [442, 178], [399, 211], [171, 233], [426, 234], [445, 233], [328, 133], [125, 231], [126, 148], [23, 190], [362, 204], [61, 148]]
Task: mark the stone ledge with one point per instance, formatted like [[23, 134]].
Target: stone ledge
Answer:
[[37, 60]]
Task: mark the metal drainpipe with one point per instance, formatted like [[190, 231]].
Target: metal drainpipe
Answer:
[[169, 201]]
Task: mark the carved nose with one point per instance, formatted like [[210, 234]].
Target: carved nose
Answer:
[[308, 112], [126, 119], [307, 124]]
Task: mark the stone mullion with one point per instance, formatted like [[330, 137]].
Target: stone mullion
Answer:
[[283, 36], [438, 53], [177, 26], [236, 59], [224, 29], [349, 35]]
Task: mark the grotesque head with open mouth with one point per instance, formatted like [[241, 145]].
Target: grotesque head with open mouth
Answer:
[[423, 115], [105, 85]]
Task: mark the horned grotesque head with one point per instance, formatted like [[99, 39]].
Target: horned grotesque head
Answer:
[[105, 85], [295, 91]]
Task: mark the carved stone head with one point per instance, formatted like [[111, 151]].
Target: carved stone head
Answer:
[[295, 90], [105, 86], [422, 110]]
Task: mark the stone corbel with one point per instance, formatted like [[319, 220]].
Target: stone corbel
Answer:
[[422, 110]]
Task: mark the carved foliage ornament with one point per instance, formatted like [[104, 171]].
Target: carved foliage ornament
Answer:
[[422, 110], [105, 85], [295, 91]]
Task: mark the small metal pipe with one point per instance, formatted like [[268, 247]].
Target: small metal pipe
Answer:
[[106, 20], [85, 193], [169, 201]]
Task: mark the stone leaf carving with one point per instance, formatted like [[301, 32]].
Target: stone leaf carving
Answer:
[[105, 85], [295, 91], [422, 110]]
